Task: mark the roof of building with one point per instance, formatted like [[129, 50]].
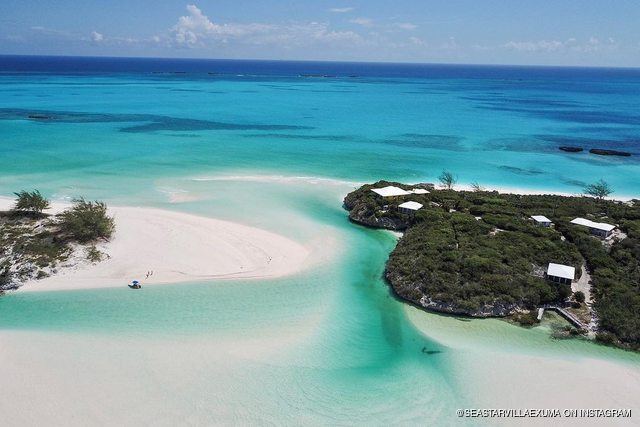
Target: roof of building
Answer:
[[420, 191], [390, 191], [559, 270], [540, 218], [414, 206], [597, 225]]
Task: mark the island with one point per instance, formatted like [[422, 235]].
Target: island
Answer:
[[61, 245], [488, 254], [33, 244]]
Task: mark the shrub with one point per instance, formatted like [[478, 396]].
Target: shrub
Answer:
[[94, 255], [86, 221], [30, 201]]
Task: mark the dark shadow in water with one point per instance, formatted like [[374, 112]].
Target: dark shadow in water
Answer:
[[631, 145], [185, 90], [524, 144], [573, 182], [300, 137], [431, 141], [151, 122], [505, 100], [521, 171], [571, 116], [426, 351]]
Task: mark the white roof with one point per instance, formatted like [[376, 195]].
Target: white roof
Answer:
[[559, 270], [420, 191], [597, 225], [540, 218], [414, 206], [390, 191]]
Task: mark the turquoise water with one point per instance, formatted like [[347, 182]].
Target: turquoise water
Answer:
[[333, 346]]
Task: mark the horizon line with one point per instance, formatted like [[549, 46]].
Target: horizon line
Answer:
[[617, 67]]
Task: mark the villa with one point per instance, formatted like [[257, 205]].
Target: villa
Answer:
[[409, 208], [541, 221], [559, 273], [599, 229], [390, 191], [420, 191]]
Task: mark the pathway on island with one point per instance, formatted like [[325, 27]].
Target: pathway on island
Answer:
[[583, 285]]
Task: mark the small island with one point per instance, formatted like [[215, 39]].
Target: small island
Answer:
[[487, 254], [35, 244]]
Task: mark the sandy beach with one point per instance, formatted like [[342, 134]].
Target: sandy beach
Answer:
[[176, 247]]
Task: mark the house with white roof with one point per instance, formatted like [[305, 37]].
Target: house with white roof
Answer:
[[599, 229], [420, 191], [559, 273], [409, 208], [541, 220], [390, 191]]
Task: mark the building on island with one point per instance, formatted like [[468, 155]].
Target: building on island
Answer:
[[559, 273], [390, 191], [599, 229], [409, 208], [420, 191], [541, 220]]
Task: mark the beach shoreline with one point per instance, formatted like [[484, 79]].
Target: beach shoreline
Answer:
[[157, 246]]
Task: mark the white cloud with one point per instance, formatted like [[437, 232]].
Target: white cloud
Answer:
[[341, 9], [406, 26], [365, 22], [591, 45], [542, 45], [451, 44], [96, 37], [197, 30], [417, 41], [192, 29]]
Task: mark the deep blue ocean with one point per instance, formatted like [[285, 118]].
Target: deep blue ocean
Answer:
[[500, 126]]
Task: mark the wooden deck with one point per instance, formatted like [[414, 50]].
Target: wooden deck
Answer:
[[564, 313]]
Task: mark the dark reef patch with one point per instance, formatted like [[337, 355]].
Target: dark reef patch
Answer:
[[603, 152], [523, 144], [149, 122], [299, 137], [574, 182], [432, 141], [571, 149], [624, 147], [521, 171]]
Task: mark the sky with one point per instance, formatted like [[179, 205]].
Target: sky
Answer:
[[520, 32]]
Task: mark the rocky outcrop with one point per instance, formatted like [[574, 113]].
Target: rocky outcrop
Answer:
[[603, 152], [497, 310], [364, 217], [571, 149], [413, 294]]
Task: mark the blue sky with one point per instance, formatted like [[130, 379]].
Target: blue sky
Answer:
[[538, 32]]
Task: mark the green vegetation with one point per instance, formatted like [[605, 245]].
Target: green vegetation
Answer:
[[31, 201], [86, 221], [33, 244], [599, 189], [94, 254], [478, 253], [447, 179]]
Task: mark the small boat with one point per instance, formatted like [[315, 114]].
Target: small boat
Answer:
[[135, 285]]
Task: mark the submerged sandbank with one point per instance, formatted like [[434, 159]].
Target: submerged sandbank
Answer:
[[176, 247]]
